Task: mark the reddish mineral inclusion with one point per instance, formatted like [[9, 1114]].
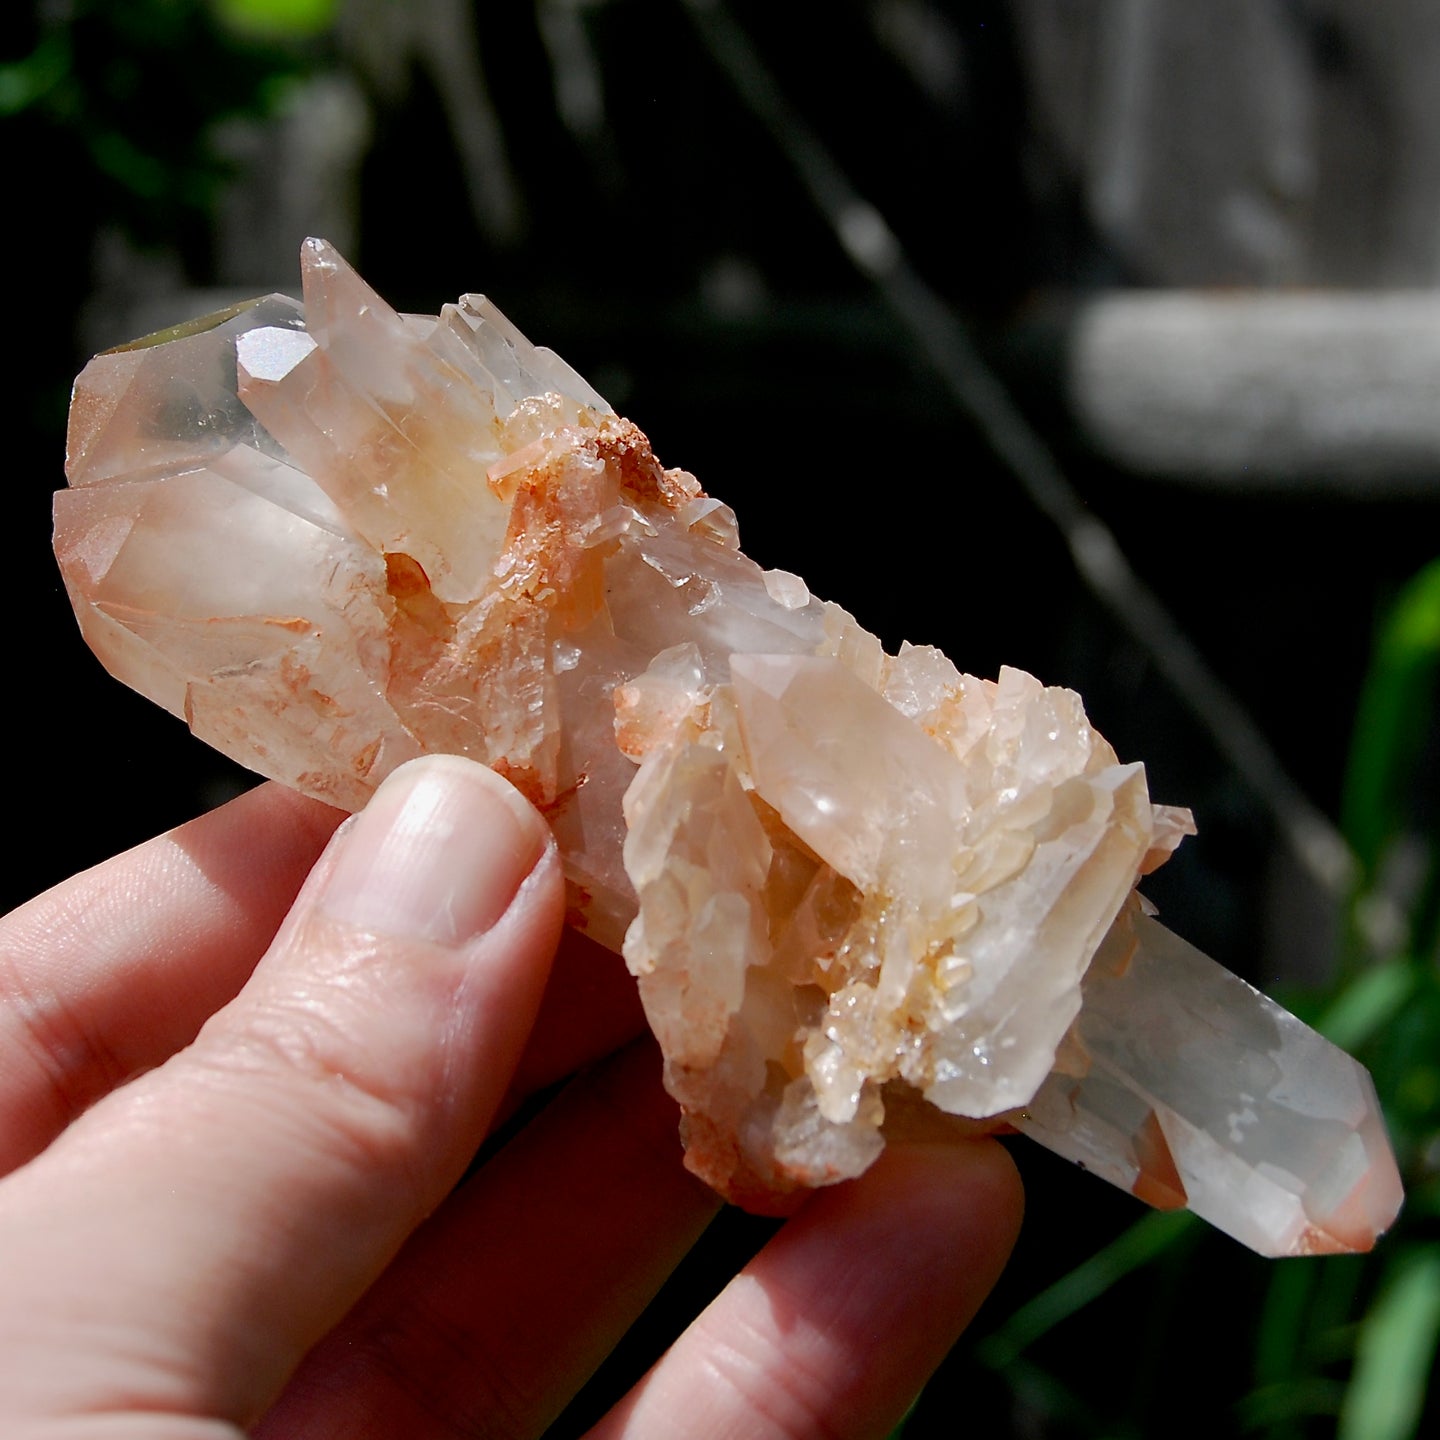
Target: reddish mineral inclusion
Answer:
[[856, 889]]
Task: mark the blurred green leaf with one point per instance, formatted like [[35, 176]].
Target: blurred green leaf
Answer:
[[24, 83], [1367, 1004], [1048, 1395], [1347, 1283], [1396, 1352], [278, 17], [1147, 1238], [118, 157], [1393, 719], [134, 100], [1273, 1405], [1291, 1290], [1305, 1328]]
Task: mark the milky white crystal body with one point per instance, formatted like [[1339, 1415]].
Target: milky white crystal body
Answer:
[[333, 538]]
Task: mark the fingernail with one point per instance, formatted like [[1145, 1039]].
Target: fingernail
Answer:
[[438, 854]]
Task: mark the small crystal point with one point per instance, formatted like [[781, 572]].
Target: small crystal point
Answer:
[[848, 883]]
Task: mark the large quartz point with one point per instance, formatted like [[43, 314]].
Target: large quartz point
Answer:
[[855, 888]]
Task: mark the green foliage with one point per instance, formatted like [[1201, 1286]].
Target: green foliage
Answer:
[[1396, 715], [1395, 1353], [28, 81], [1149, 1237], [1341, 1345], [1371, 1001], [1355, 1340], [278, 17], [131, 97]]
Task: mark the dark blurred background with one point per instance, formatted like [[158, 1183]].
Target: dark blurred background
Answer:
[[1098, 337]]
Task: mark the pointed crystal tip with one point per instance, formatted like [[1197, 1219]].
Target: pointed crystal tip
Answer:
[[1193, 1079]]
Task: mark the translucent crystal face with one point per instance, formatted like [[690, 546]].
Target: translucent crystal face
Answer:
[[847, 882]]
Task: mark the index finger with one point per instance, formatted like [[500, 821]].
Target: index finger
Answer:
[[113, 971], [116, 969]]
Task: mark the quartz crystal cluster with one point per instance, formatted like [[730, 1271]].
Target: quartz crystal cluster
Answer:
[[856, 889]]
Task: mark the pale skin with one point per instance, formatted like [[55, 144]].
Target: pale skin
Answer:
[[237, 1103]]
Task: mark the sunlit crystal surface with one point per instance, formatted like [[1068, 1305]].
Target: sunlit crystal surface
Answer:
[[1190, 1088], [332, 537]]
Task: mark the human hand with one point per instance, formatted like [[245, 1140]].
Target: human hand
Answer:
[[231, 1161]]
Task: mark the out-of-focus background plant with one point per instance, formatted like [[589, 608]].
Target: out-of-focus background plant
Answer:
[[1338, 1345], [1122, 319]]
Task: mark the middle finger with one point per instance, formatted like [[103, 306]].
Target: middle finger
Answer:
[[503, 1305]]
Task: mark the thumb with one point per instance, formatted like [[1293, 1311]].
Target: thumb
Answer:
[[184, 1243]]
